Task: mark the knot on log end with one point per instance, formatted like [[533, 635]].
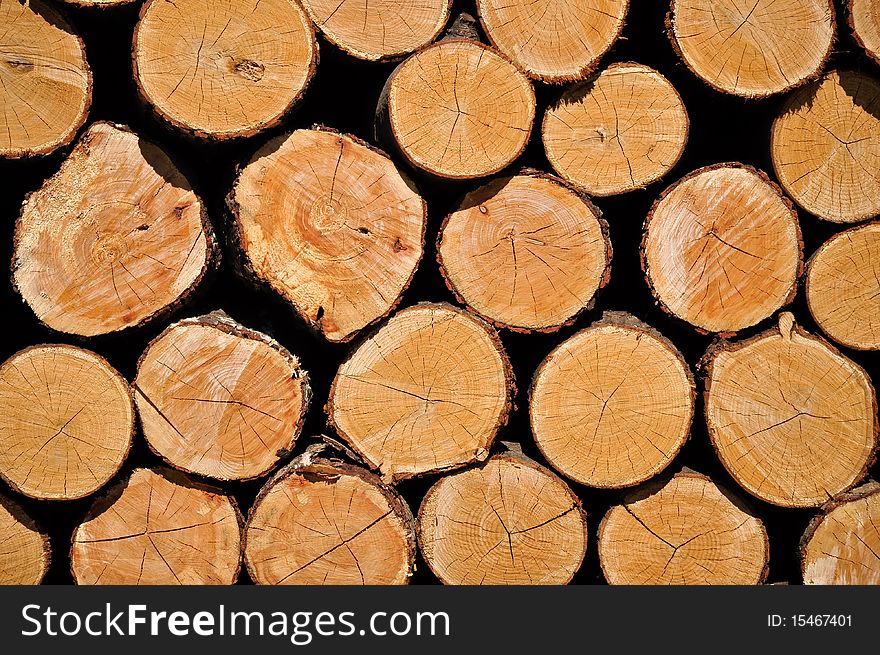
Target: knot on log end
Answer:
[[249, 69]]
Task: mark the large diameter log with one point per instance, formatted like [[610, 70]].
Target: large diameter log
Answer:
[[115, 238], [24, 548], [220, 400], [722, 248], [686, 531], [526, 252], [45, 81], [793, 420], [864, 20], [158, 527], [425, 393], [220, 69], [66, 422], [753, 49]]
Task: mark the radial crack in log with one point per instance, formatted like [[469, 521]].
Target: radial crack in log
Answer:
[[24, 548]]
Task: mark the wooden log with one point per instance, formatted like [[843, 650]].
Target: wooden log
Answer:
[[753, 49], [425, 393], [220, 400], [824, 147], [620, 130], [45, 80], [506, 521], [793, 420], [686, 530], [220, 69], [158, 527], [722, 248], [332, 225], [842, 543], [25, 553], [66, 422], [526, 252], [864, 21], [612, 406], [843, 287], [379, 31], [322, 521], [114, 239]]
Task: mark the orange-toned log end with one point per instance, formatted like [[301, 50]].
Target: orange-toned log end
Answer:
[[221, 69], [506, 521], [159, 528], [24, 548], [220, 400], [722, 248], [332, 225], [425, 393], [825, 147], [323, 522], [793, 420], [843, 287], [66, 422], [459, 110], [525, 252], [113, 239], [864, 20], [556, 41], [842, 544], [753, 48], [685, 531], [618, 131], [612, 406]]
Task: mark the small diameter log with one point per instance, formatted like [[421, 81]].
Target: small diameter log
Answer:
[[722, 248], [842, 544], [66, 422], [332, 225], [24, 548], [379, 30], [686, 531], [220, 69], [864, 20], [843, 287], [507, 521], [556, 41], [825, 147], [45, 81], [793, 420], [425, 393], [753, 49], [158, 527], [526, 252], [620, 130], [220, 400], [612, 406], [113, 239], [323, 522]]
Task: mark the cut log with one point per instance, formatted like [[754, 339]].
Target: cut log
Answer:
[[24, 548], [686, 531], [722, 248], [220, 69], [612, 405], [843, 287], [425, 393], [332, 225], [220, 400], [842, 544], [618, 131], [45, 81], [321, 521], [864, 20], [66, 422], [526, 252], [793, 420], [825, 147], [507, 521], [115, 238], [753, 49], [379, 31], [158, 527]]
